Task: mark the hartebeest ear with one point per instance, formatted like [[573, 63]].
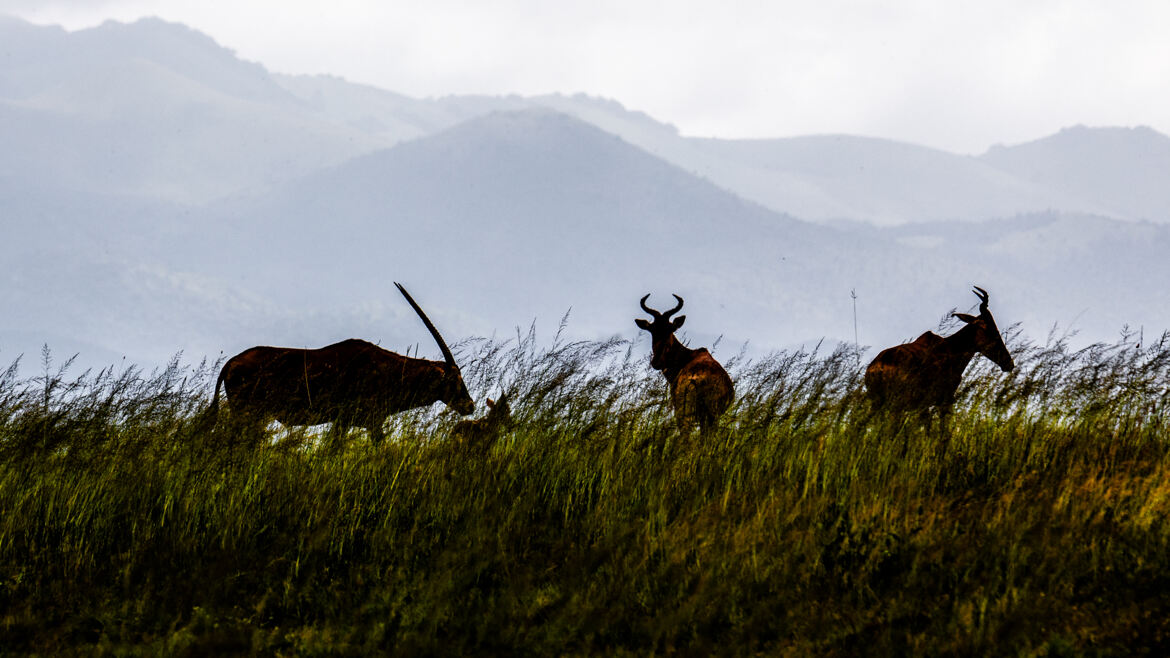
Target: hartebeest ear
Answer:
[[965, 318], [490, 403], [678, 322], [643, 324]]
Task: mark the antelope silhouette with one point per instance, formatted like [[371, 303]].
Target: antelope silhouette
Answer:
[[353, 383], [700, 389], [926, 373]]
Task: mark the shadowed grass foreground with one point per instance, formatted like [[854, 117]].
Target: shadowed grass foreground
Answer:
[[803, 526]]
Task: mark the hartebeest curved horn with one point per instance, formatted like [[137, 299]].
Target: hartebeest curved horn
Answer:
[[665, 315], [676, 309], [450, 358], [649, 310], [983, 296]]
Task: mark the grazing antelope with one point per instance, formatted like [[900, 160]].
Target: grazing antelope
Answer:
[[926, 373], [481, 433], [353, 383], [700, 389]]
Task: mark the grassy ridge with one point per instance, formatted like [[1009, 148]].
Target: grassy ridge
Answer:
[[805, 525]]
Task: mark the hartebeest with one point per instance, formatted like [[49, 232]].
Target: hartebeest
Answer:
[[353, 383], [925, 374], [481, 433], [700, 389]]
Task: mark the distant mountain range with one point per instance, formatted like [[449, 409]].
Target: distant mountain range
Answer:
[[161, 194], [155, 108]]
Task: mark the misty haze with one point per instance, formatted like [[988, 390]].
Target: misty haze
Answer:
[[161, 195]]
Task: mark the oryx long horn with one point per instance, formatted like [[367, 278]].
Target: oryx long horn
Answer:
[[983, 296], [450, 358]]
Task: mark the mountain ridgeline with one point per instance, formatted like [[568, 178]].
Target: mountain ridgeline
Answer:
[[165, 195]]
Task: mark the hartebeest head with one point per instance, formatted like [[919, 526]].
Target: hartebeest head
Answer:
[[988, 340], [700, 389], [661, 331], [452, 392]]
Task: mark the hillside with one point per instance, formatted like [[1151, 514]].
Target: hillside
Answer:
[[163, 195], [493, 214], [845, 177], [517, 215], [1123, 170], [155, 110], [160, 110]]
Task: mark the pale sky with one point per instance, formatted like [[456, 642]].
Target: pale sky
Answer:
[[957, 75]]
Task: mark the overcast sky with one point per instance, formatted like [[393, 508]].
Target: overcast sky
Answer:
[[956, 75]]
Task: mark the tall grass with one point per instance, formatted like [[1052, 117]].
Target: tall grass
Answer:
[[805, 525]]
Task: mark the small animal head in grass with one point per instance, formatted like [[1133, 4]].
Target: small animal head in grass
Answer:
[[483, 432]]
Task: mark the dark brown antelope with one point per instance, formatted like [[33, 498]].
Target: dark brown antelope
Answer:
[[353, 383], [925, 374], [481, 433], [700, 389]]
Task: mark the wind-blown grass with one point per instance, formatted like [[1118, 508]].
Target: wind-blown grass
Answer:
[[804, 525]]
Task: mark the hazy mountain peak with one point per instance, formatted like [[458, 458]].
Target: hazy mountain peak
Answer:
[[510, 121], [67, 71], [538, 140], [185, 51], [607, 113], [1124, 170], [1123, 131], [22, 46], [151, 37], [153, 26], [11, 26], [10, 22], [509, 208], [533, 128], [1082, 136]]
